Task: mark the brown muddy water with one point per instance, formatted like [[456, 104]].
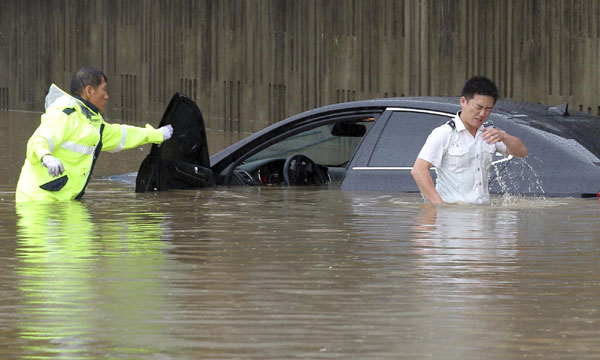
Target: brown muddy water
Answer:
[[280, 273]]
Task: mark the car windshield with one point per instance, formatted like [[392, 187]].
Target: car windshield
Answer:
[[331, 144]]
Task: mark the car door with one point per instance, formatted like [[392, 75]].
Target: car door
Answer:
[[386, 156], [183, 161]]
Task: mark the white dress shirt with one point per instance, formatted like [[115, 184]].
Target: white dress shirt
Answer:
[[462, 162]]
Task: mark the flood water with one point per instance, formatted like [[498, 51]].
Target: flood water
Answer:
[[279, 273]]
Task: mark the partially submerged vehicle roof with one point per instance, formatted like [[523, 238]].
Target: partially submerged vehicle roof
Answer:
[[529, 114], [564, 156]]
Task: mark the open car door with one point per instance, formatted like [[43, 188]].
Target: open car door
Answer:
[[181, 162]]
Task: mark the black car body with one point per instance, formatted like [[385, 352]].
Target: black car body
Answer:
[[372, 145]]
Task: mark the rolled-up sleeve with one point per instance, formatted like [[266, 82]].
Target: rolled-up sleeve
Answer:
[[501, 148]]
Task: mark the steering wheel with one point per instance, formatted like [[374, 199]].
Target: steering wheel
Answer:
[[301, 170]]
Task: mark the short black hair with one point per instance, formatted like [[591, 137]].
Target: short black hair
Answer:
[[479, 85], [86, 76]]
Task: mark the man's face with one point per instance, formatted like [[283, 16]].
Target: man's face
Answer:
[[475, 111], [97, 96]]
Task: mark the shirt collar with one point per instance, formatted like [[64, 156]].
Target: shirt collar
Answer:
[[458, 122], [460, 126]]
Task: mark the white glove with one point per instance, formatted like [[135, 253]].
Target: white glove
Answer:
[[55, 167], [167, 131]]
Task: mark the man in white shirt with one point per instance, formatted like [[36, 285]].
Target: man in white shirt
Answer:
[[462, 149]]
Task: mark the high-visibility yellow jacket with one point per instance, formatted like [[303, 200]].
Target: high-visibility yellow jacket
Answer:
[[73, 131]]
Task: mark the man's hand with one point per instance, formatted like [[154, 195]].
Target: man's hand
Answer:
[[493, 135], [55, 167], [420, 173], [514, 145]]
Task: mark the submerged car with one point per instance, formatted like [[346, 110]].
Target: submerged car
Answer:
[[372, 145]]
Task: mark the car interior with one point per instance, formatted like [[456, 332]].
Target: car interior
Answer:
[[314, 156]]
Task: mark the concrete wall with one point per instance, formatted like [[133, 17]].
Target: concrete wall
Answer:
[[249, 63]]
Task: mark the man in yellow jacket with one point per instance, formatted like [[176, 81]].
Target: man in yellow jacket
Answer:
[[62, 151]]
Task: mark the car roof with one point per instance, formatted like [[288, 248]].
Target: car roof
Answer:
[[507, 107]]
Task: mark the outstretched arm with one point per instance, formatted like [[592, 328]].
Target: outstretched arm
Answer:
[[420, 173], [117, 137]]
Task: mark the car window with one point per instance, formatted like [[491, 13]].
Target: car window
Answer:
[[403, 137], [331, 144]]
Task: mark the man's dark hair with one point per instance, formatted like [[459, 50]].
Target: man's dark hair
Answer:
[[86, 76], [479, 85]]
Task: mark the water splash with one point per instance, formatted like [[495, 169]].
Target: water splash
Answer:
[[520, 172], [510, 201]]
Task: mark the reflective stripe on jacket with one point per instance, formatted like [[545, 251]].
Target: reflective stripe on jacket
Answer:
[[70, 131]]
